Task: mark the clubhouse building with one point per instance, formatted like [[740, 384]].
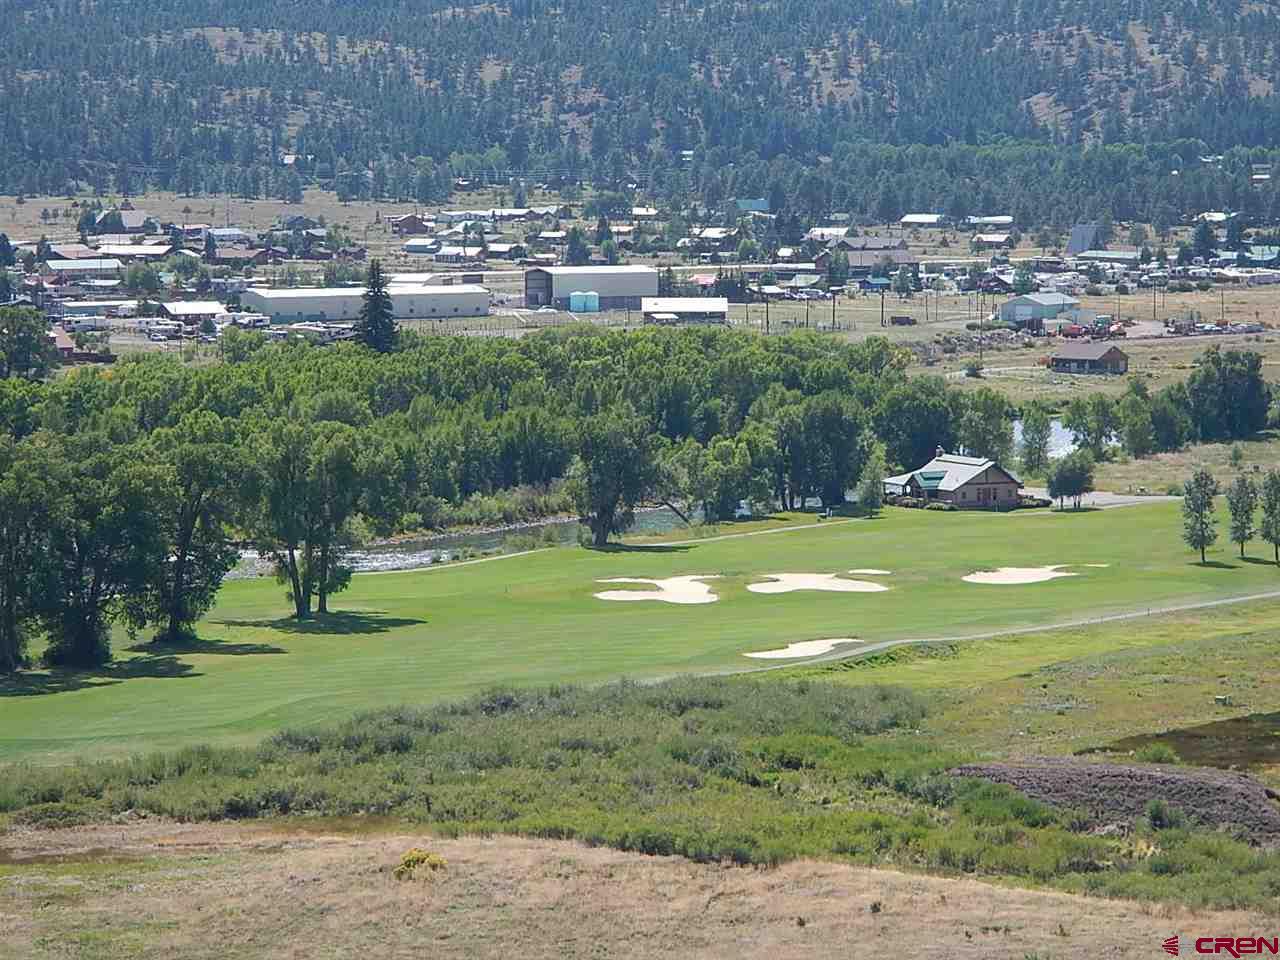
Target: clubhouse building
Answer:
[[967, 483]]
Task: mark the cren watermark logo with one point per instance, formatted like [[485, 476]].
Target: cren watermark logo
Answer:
[[1226, 946]]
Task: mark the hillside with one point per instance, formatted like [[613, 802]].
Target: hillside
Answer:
[[781, 99]]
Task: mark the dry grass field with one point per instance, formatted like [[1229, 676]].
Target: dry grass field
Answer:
[[289, 890]]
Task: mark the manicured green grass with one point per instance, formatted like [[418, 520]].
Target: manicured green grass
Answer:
[[424, 636]]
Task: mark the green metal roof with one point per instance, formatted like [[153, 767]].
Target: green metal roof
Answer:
[[931, 479]]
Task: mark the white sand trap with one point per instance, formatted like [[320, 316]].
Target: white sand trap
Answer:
[[872, 572], [803, 648], [787, 582], [1016, 575], [1098, 566], [670, 590]]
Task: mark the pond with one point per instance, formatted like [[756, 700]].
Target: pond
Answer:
[[1060, 440]]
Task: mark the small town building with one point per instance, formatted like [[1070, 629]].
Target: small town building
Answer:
[[1123, 258], [619, 287], [685, 309], [411, 224], [989, 241], [132, 252], [1098, 357], [107, 268], [971, 483], [192, 312], [408, 301], [921, 220], [1031, 310]]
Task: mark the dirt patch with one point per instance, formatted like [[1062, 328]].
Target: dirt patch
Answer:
[[1111, 792], [268, 891]]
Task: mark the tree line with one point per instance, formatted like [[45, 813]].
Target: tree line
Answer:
[[923, 107], [127, 494]]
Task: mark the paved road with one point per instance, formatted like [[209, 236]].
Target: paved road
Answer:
[[1105, 500]]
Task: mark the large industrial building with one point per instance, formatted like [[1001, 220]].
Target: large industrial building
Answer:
[[408, 302], [619, 287]]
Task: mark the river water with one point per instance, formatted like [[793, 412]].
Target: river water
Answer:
[[445, 547]]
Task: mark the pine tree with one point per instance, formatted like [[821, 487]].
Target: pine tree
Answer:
[[375, 328]]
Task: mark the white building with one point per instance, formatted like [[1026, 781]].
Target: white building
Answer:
[[621, 286], [408, 301], [921, 220], [685, 309]]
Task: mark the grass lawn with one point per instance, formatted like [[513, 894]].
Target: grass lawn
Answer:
[[423, 636]]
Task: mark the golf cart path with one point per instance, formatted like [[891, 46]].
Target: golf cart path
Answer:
[[862, 650], [1107, 500]]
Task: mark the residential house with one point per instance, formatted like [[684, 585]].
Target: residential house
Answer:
[[1099, 357], [970, 483], [411, 224], [991, 241], [129, 221]]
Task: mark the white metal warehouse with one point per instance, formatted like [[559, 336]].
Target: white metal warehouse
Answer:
[[619, 287], [408, 302], [685, 309]]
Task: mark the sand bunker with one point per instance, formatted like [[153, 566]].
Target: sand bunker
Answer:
[[670, 590], [1015, 575], [872, 572], [802, 648], [786, 582]]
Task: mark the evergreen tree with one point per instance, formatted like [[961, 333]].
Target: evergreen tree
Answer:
[[376, 327]]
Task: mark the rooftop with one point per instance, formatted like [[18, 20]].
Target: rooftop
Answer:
[[1085, 351], [948, 471]]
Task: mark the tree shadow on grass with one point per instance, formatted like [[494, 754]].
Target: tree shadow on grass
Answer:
[[198, 645], [644, 548], [328, 623], [1216, 564], [1261, 561], [58, 680]]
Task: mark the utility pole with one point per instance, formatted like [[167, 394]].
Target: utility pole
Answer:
[[882, 307], [833, 309]]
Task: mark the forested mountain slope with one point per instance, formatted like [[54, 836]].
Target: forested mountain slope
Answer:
[[377, 96]]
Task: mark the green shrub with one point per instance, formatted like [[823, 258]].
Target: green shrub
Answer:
[[1161, 816], [1157, 753]]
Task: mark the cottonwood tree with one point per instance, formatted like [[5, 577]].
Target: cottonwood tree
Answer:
[[1071, 476], [25, 348], [871, 483], [614, 470], [1037, 428], [308, 486], [1242, 502], [199, 499], [108, 546], [985, 427], [1199, 522], [1092, 423], [376, 327], [1269, 529], [30, 499]]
